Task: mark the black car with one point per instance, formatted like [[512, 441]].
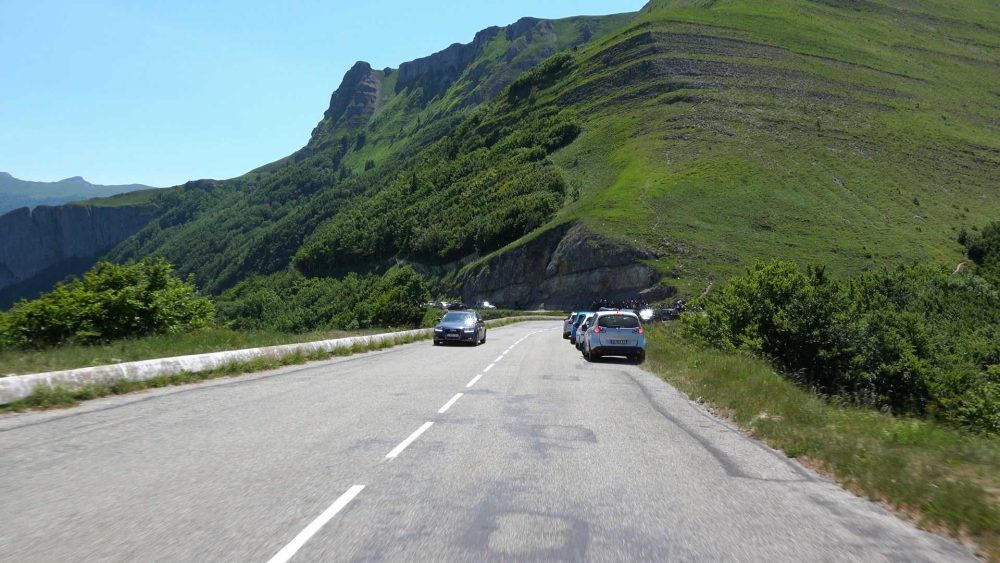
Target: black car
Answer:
[[460, 326]]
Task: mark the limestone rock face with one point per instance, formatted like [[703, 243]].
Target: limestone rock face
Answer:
[[435, 73], [352, 104], [32, 241], [567, 267]]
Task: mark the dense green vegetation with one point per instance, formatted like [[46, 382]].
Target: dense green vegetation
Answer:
[[914, 339], [110, 302], [946, 478], [290, 302], [984, 250], [482, 186]]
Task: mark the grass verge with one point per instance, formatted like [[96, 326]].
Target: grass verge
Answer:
[[945, 479], [49, 397]]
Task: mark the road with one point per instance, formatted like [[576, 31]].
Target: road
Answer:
[[543, 456]]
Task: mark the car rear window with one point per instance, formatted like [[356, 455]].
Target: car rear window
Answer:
[[618, 321], [456, 317]]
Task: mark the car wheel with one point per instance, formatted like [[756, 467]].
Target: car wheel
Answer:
[[437, 342], [640, 358], [586, 355], [483, 341], [594, 356]]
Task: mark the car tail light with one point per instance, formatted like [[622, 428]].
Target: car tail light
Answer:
[[597, 330], [639, 330]]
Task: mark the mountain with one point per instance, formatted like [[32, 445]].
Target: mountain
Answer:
[[554, 161], [15, 193]]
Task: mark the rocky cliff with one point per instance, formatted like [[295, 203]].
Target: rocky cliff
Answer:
[[566, 267], [351, 104], [67, 237]]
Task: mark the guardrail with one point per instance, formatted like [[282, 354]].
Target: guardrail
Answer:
[[18, 387]]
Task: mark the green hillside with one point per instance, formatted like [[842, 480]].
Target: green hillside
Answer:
[[844, 133], [706, 134]]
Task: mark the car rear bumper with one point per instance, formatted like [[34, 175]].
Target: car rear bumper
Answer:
[[618, 350]]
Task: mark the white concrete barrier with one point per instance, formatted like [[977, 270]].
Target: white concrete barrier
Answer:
[[18, 387]]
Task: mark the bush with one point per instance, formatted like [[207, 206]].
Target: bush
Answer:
[[984, 249], [397, 299], [111, 302], [915, 340]]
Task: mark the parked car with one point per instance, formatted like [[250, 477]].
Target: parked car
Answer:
[[578, 339], [485, 305], [580, 315], [460, 326], [568, 325], [615, 334]]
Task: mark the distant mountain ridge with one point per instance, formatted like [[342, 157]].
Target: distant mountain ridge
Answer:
[[15, 193]]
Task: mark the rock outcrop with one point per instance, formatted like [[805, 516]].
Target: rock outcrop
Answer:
[[566, 267], [353, 102], [435, 73], [33, 241]]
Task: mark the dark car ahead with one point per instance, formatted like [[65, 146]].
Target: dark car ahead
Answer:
[[460, 326]]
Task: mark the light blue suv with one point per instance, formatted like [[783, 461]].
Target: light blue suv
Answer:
[[580, 316], [615, 333]]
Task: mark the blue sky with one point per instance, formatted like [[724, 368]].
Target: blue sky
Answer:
[[164, 92]]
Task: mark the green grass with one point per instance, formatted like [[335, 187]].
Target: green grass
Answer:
[[946, 479], [138, 197], [852, 137]]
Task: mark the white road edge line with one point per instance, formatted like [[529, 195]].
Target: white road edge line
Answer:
[[473, 382], [449, 403], [489, 367], [289, 550], [402, 445]]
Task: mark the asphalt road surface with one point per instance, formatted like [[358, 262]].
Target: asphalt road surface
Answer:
[[514, 450]]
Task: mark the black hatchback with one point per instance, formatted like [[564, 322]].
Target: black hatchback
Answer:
[[460, 326]]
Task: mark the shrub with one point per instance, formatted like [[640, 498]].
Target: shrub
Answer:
[[397, 299], [983, 248], [915, 340], [110, 302]]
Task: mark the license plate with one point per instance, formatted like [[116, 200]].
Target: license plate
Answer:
[[452, 336], [619, 341]]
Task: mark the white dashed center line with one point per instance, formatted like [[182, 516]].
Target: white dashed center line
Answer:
[[489, 367], [473, 382], [289, 550], [402, 445], [500, 357], [449, 403]]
